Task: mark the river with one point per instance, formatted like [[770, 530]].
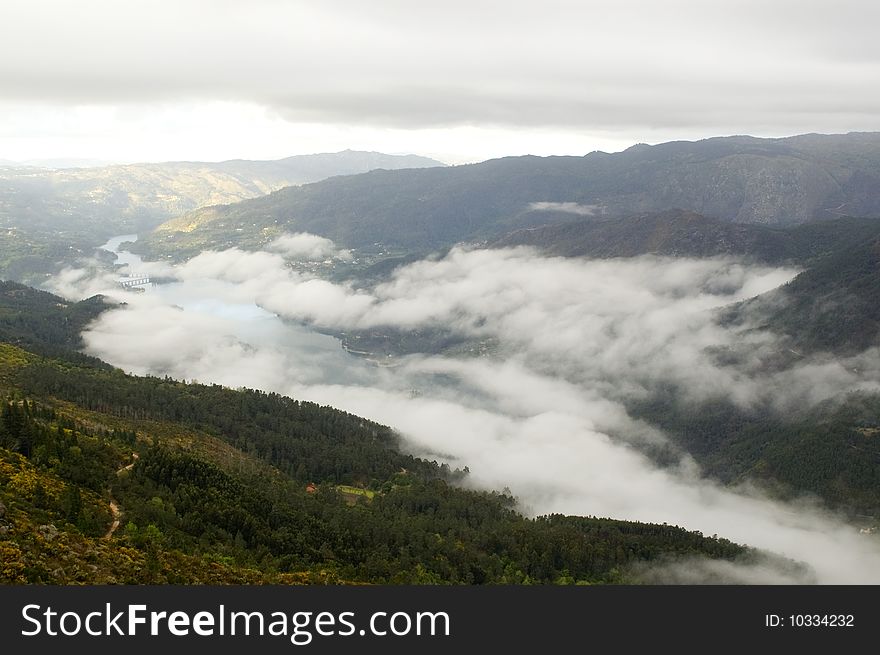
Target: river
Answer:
[[249, 323]]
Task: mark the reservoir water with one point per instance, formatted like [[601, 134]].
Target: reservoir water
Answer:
[[123, 257], [322, 358]]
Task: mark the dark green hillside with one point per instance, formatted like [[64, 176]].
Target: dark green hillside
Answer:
[[302, 439], [830, 451], [675, 233], [44, 323], [832, 306], [679, 233]]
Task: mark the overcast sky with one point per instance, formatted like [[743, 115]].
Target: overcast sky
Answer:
[[460, 80]]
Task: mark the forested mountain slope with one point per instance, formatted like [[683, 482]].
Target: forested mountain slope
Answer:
[[830, 307], [108, 477], [681, 233]]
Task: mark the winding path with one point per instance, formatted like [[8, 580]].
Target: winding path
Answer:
[[117, 514], [114, 506]]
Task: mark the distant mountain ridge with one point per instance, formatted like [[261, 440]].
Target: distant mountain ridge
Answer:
[[52, 215], [61, 162], [772, 182], [156, 191]]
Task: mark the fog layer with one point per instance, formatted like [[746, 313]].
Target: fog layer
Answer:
[[545, 414]]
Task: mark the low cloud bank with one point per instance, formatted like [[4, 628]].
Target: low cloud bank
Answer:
[[566, 207], [546, 415], [308, 247]]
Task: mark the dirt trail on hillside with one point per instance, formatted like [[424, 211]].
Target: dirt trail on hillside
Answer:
[[117, 514], [114, 506]]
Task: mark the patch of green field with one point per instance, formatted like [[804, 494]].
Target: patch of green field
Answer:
[[355, 491]]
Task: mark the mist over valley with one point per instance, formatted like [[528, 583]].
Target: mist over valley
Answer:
[[553, 410]]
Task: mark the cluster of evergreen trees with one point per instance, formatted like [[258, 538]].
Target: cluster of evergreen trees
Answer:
[[418, 527]]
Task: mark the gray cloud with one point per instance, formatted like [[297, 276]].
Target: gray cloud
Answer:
[[308, 247], [567, 207], [697, 570], [546, 416], [79, 283], [726, 65]]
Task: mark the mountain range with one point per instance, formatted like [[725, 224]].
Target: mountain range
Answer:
[[770, 182], [52, 215]]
